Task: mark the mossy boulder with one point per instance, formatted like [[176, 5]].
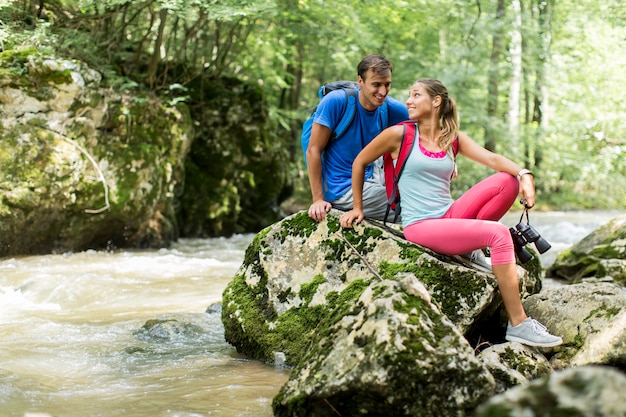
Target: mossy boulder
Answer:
[[391, 352], [591, 319], [295, 270], [582, 391], [83, 167], [371, 322], [601, 255]]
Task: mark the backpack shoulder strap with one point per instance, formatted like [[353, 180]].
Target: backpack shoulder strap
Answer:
[[348, 114], [384, 115], [408, 141], [392, 172], [455, 147]]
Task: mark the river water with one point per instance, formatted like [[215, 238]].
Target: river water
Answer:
[[71, 342]]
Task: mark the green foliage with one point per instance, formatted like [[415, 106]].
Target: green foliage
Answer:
[[572, 118]]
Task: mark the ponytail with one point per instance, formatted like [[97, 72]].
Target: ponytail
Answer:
[[447, 111], [449, 122]]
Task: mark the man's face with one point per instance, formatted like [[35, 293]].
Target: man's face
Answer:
[[374, 89]]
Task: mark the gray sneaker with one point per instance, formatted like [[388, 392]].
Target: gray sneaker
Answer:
[[532, 333], [477, 260]]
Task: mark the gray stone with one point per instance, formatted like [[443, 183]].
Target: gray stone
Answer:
[[591, 319], [601, 255], [393, 353], [371, 323], [295, 271], [582, 391], [514, 364]]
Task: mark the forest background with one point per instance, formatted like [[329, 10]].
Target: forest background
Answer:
[[539, 81]]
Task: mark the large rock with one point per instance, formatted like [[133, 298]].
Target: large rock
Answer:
[[591, 319], [601, 255], [89, 166], [387, 352], [374, 325], [294, 271], [582, 391], [371, 322], [83, 167]]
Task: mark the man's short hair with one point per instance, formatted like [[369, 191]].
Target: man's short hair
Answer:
[[377, 63]]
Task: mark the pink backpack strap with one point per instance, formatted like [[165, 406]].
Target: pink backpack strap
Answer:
[[392, 173]]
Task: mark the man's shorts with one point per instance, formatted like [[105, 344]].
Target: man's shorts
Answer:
[[374, 196]]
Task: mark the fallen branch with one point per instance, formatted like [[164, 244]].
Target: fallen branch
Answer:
[[332, 408], [356, 252]]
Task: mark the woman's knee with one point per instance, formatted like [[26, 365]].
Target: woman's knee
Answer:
[[502, 249], [506, 180]]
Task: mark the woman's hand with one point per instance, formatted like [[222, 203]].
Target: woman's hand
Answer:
[[527, 190], [349, 217]]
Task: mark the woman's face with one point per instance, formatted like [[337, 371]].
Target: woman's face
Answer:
[[419, 104]]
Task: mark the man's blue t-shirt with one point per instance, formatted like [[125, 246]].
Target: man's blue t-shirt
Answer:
[[339, 154]]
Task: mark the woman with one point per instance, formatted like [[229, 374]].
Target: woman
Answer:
[[432, 219]]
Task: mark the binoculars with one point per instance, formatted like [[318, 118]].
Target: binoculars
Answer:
[[523, 234]]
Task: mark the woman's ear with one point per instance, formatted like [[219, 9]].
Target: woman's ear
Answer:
[[437, 101]]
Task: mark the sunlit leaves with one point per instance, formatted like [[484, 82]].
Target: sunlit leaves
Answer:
[[573, 63]]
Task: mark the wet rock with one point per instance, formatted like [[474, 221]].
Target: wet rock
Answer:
[[165, 329], [296, 272], [215, 308]]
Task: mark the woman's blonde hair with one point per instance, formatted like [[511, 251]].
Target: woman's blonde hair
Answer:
[[447, 111]]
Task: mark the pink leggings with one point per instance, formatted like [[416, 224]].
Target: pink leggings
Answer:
[[472, 222]]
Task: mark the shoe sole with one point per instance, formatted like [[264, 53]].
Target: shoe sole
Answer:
[[471, 264], [535, 344]]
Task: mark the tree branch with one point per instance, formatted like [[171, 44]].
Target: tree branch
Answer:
[[356, 252]]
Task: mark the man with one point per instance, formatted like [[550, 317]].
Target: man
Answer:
[[331, 181]]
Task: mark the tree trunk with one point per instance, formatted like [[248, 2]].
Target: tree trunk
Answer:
[[494, 76], [156, 54], [546, 8], [516, 76]]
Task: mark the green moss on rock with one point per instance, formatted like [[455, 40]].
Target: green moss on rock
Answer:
[[298, 225], [307, 291], [289, 332]]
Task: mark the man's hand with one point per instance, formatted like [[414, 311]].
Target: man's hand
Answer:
[[318, 210], [349, 217]]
